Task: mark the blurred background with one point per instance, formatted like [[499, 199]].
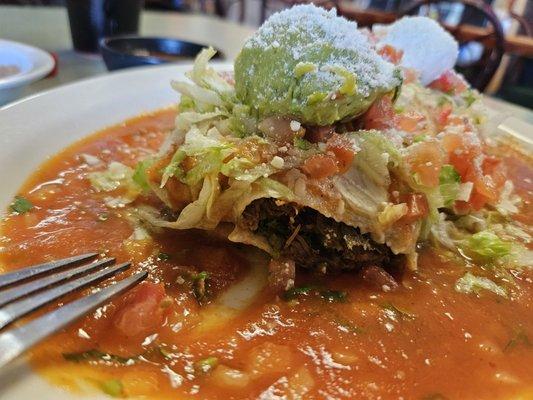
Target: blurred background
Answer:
[[495, 36]]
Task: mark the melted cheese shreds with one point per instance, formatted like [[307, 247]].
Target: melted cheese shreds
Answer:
[[426, 46]]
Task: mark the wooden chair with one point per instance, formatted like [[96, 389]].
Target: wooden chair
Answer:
[[222, 8], [524, 23]]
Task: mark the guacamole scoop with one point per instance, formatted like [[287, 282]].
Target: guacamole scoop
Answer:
[[310, 64]]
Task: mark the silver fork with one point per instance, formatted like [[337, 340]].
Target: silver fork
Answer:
[[29, 289]]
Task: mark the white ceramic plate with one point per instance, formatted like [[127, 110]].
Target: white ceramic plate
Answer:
[[39, 126], [33, 64]]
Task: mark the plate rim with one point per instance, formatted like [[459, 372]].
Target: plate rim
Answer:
[[42, 64], [180, 68]]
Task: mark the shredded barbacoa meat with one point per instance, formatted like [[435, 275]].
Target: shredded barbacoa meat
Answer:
[[312, 240]]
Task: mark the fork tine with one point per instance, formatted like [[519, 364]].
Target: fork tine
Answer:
[[17, 292], [17, 309], [14, 342], [38, 269]]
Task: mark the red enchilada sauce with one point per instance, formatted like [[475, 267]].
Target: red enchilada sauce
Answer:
[[172, 336]]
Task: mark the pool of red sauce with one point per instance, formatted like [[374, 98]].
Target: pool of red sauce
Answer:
[[442, 345]]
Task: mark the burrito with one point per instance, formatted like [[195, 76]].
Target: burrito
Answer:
[[321, 148]]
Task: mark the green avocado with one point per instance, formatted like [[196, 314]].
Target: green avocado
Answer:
[[310, 64]]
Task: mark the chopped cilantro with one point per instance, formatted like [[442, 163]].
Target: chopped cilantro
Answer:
[[21, 205], [295, 292], [201, 276], [333, 296], [112, 387], [345, 325], [163, 256], [96, 355], [206, 364], [301, 144], [164, 352], [469, 97], [520, 338], [200, 286], [397, 312]]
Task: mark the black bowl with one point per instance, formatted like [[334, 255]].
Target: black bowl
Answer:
[[132, 51]]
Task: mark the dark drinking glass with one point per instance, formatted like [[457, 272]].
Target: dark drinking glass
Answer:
[[91, 20]]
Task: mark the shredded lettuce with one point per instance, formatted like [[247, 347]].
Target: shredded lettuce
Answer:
[[139, 175], [114, 176], [275, 189], [173, 168], [243, 169], [364, 188], [208, 78], [487, 246], [117, 177], [210, 162], [376, 153], [392, 213], [470, 283], [112, 387], [449, 180]]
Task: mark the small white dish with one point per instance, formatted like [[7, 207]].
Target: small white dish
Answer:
[[32, 64]]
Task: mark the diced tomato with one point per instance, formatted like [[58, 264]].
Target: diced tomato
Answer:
[[417, 207], [425, 159], [486, 187], [485, 172], [391, 54], [460, 151], [380, 115], [343, 157], [142, 312], [443, 114], [446, 118], [342, 148], [462, 207], [494, 167], [409, 121], [449, 82], [320, 166]]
